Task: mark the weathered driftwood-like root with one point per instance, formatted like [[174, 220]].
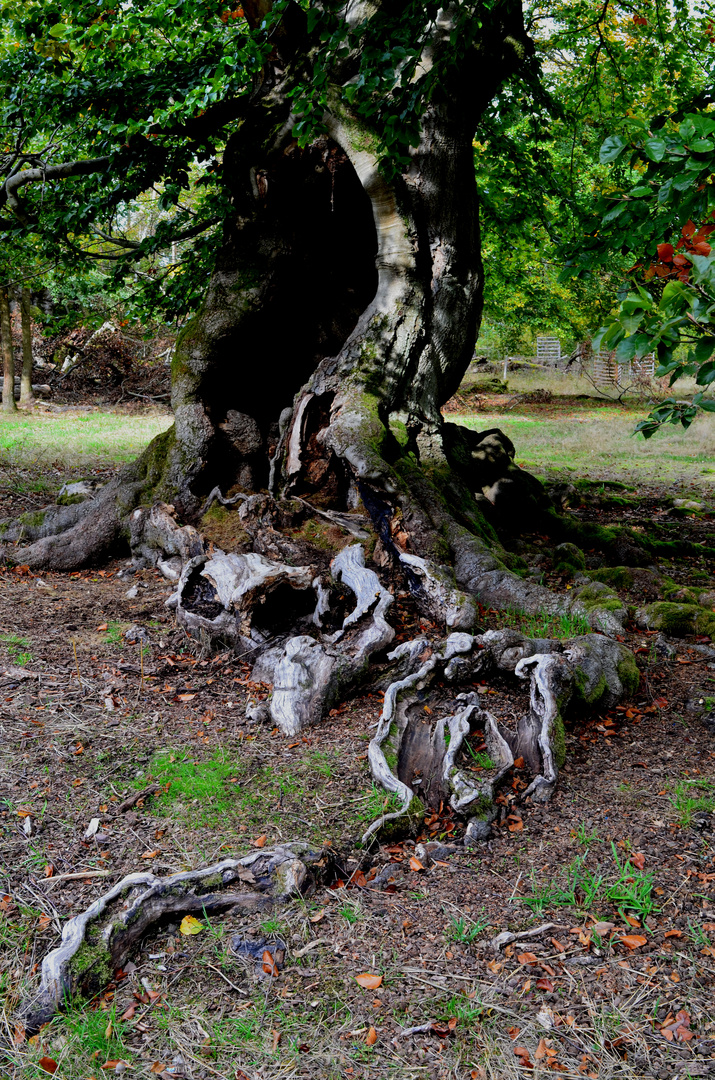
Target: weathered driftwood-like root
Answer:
[[404, 755], [99, 940], [217, 597], [311, 673]]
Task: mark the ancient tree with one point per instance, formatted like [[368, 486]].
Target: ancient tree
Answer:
[[341, 315]]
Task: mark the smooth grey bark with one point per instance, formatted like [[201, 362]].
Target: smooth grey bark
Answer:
[[8, 361], [26, 395]]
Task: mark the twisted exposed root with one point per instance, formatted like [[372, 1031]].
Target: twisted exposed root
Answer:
[[590, 669], [99, 940]]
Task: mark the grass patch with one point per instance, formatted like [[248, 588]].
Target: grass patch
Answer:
[[544, 625], [624, 888], [75, 438], [598, 442], [691, 796], [464, 930], [18, 649]]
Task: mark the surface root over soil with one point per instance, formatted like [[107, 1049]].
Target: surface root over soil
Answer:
[[99, 940]]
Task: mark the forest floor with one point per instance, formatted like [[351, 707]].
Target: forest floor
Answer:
[[617, 871]]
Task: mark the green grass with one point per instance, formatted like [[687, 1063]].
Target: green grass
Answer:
[[621, 886], [480, 758], [113, 634], [18, 649], [544, 625], [691, 796], [463, 930], [75, 439], [598, 442]]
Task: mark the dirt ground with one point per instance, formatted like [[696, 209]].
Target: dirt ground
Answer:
[[615, 877]]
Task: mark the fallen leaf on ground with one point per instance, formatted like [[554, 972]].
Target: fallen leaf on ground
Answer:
[[638, 860], [371, 1037], [633, 941], [269, 965], [185, 697], [260, 841], [368, 981], [189, 925], [523, 1053], [128, 1013], [528, 958], [150, 854], [415, 864], [673, 933], [48, 1064], [158, 1067], [276, 1039], [318, 915]]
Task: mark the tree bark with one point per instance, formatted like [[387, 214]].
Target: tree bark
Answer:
[[27, 397], [8, 361]]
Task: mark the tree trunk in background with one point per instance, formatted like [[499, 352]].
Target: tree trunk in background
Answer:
[[26, 395], [8, 362]]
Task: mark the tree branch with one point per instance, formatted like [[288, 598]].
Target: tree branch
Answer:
[[8, 192]]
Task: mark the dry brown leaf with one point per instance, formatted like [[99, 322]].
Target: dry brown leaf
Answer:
[[185, 697], [158, 1067], [540, 1052], [128, 1013], [415, 864], [47, 1064], [150, 854], [371, 1037], [368, 981], [528, 958], [319, 915], [633, 941], [673, 933], [523, 1053], [269, 965], [260, 841], [276, 1039], [638, 860]]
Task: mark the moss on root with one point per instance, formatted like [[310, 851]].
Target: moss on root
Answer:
[[628, 673], [558, 741], [618, 577], [91, 966], [677, 620]]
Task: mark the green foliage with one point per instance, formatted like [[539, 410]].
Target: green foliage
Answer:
[[18, 648], [691, 796], [463, 929], [623, 887]]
